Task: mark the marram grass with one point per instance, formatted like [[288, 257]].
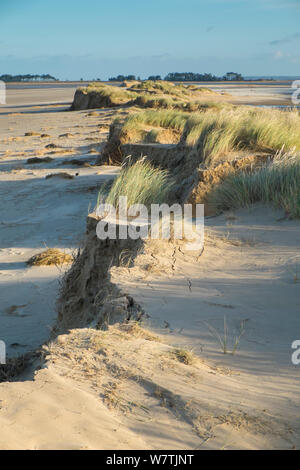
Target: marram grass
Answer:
[[276, 184], [168, 119], [141, 183], [217, 133]]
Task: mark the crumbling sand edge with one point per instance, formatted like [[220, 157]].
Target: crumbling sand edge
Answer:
[[87, 297]]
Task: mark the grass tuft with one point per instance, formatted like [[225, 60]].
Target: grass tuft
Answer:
[[216, 133], [52, 256], [141, 183], [220, 129], [277, 184], [184, 356]]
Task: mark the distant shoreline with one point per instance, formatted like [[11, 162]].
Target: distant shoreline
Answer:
[[20, 94], [227, 82]]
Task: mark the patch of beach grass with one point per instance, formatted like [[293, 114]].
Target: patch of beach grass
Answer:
[[216, 133], [169, 102], [146, 101], [277, 183], [134, 329], [167, 119], [184, 356], [108, 95], [148, 94], [169, 88], [141, 183], [227, 338], [163, 136], [49, 257]]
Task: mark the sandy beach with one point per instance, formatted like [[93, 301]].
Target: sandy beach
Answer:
[[33, 214]]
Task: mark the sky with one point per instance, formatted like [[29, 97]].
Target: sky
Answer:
[[91, 39]]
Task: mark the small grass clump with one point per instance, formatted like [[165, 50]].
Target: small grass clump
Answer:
[[184, 356], [225, 338], [50, 257], [134, 329], [277, 184], [141, 183]]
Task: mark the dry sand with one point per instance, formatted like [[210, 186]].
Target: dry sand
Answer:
[[128, 389], [247, 275]]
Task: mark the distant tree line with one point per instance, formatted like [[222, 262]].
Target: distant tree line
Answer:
[[184, 77], [122, 78], [199, 77], [154, 77], [26, 78]]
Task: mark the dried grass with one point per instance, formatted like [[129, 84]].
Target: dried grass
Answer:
[[50, 257], [184, 356]]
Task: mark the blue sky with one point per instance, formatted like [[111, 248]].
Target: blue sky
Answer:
[[74, 39]]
